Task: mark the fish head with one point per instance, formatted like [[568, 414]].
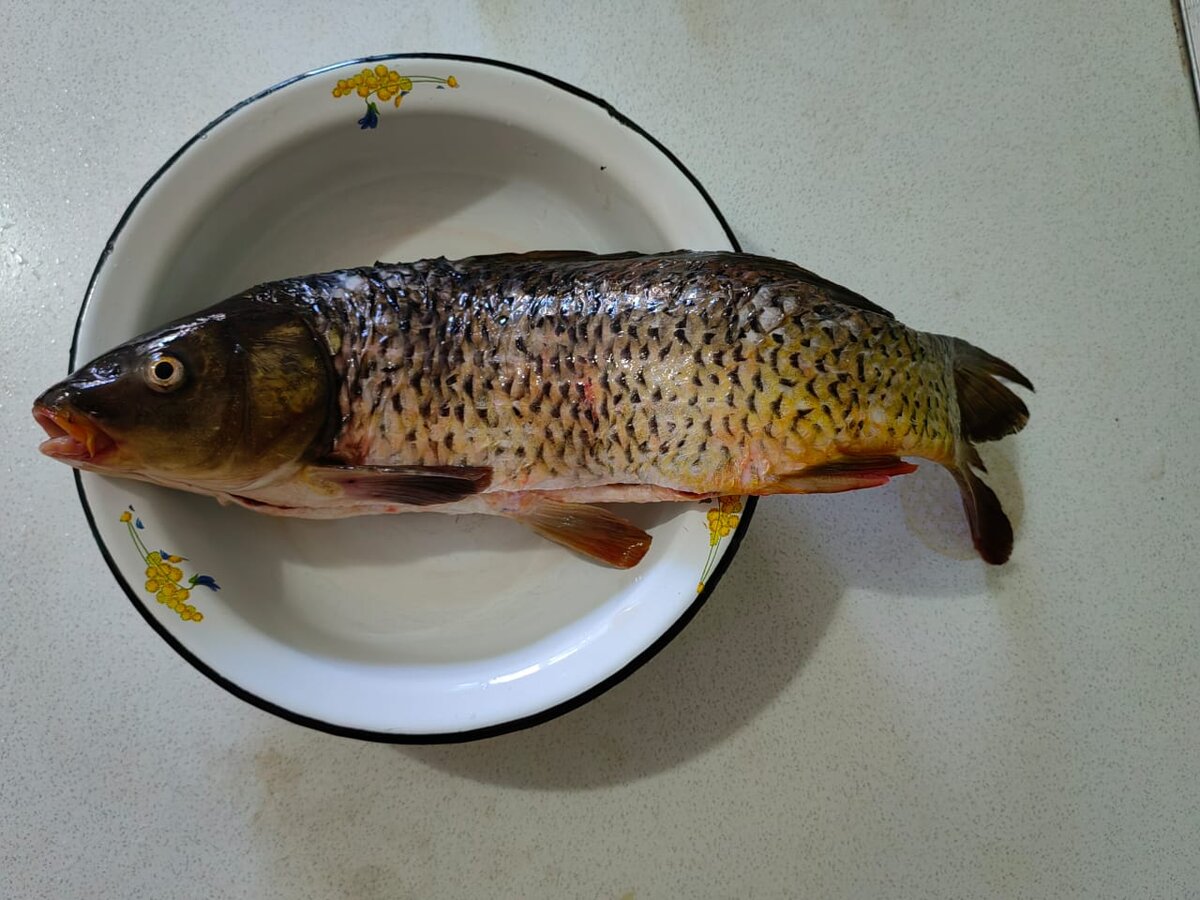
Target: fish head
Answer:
[[232, 397]]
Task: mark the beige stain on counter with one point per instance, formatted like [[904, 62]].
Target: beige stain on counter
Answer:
[[278, 774]]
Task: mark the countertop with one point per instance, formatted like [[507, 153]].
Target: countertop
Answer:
[[848, 716]]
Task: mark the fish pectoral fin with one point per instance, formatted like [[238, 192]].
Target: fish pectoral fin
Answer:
[[590, 530], [850, 474], [411, 485]]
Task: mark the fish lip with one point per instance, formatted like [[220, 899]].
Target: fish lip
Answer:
[[71, 436]]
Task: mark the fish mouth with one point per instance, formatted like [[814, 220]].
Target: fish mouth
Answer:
[[72, 436]]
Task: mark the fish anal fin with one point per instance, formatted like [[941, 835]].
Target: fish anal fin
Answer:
[[849, 474], [409, 485], [590, 530]]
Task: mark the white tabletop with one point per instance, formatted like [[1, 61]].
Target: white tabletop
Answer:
[[854, 713]]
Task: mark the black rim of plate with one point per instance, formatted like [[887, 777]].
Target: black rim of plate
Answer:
[[384, 736]]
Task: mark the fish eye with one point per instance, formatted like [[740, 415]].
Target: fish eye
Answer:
[[164, 373]]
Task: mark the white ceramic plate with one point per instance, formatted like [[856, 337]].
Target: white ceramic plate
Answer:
[[422, 627]]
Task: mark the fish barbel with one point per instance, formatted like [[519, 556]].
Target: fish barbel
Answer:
[[534, 385]]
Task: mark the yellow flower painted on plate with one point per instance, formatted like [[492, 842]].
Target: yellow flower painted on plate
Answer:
[[383, 84], [164, 579]]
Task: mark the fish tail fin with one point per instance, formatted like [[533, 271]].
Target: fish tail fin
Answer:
[[989, 410], [991, 531]]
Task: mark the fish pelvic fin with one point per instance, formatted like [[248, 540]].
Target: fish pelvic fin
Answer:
[[989, 410], [590, 530]]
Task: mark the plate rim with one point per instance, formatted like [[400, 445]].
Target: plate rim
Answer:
[[451, 737]]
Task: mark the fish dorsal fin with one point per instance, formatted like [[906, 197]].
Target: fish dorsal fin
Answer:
[[590, 530], [410, 485], [789, 271], [843, 295], [547, 256], [780, 269]]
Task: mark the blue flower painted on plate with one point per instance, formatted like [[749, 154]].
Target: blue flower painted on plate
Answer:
[[371, 119]]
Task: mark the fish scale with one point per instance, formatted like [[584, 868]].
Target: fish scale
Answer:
[[676, 370]]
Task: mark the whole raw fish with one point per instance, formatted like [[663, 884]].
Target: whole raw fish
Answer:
[[533, 385]]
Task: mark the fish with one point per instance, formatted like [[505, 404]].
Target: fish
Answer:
[[539, 386]]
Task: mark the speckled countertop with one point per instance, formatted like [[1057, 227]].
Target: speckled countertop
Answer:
[[848, 716]]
